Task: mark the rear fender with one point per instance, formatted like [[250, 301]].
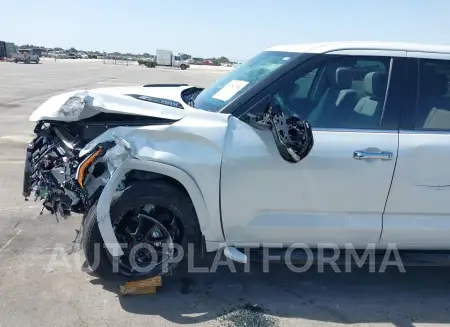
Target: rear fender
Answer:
[[104, 202]]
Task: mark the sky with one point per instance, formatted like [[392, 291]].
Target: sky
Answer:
[[237, 29]]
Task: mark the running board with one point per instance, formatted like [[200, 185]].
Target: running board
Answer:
[[340, 258], [234, 254]]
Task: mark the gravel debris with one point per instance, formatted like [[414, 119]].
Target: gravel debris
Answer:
[[248, 315]]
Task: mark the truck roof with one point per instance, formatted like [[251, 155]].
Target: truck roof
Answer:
[[361, 45]]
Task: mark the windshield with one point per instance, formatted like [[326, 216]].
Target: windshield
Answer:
[[226, 89]]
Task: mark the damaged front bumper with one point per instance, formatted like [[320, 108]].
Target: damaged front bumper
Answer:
[[116, 160], [120, 159], [28, 171], [103, 207]]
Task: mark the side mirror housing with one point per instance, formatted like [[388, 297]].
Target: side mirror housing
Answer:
[[293, 136]]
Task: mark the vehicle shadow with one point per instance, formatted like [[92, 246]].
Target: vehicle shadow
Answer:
[[419, 295]]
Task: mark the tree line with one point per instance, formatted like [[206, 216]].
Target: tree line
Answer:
[[145, 56]]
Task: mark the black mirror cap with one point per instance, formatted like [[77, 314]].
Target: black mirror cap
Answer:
[[293, 136]]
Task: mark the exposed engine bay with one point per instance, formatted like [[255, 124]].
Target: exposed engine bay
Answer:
[[56, 171], [56, 174]]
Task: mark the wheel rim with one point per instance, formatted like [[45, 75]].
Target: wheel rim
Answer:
[[149, 233]]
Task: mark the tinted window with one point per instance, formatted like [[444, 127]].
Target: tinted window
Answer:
[[344, 92], [304, 84], [433, 103]]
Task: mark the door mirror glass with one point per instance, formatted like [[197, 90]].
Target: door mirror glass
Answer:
[[293, 136]]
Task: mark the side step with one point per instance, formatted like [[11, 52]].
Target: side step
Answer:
[[235, 255], [341, 257]]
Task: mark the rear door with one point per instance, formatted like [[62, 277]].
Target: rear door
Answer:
[[338, 193], [417, 213]]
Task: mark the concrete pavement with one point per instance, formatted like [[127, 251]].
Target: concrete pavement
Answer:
[[41, 285]]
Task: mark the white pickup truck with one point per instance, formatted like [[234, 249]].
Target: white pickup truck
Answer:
[[27, 56]]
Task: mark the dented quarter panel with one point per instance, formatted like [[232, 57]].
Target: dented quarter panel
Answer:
[[189, 150]]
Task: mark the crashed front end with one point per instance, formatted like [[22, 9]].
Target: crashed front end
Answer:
[[63, 180], [63, 168]]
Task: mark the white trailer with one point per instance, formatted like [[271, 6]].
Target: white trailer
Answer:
[[166, 58]]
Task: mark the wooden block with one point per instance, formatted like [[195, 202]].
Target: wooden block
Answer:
[[145, 286], [138, 290]]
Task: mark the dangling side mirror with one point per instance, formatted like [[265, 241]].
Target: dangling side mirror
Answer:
[[293, 136]]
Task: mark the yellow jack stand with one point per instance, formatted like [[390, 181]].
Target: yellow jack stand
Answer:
[[140, 287]]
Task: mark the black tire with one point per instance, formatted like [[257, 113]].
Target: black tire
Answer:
[[37, 61], [183, 67], [158, 192]]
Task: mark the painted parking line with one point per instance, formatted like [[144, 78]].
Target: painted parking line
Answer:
[[3, 248], [12, 97], [19, 138], [119, 83]]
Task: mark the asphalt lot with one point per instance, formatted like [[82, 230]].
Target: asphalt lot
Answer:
[[38, 289]]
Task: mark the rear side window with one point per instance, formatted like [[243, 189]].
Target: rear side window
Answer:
[[433, 102]]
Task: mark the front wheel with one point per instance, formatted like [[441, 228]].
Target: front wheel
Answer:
[[153, 221], [37, 60], [183, 67]]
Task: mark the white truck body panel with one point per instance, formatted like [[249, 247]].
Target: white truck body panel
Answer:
[[164, 57]]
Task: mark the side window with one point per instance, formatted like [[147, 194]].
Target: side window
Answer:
[[343, 92], [433, 103], [304, 84]]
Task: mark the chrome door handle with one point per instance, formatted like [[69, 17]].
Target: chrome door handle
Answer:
[[364, 155]]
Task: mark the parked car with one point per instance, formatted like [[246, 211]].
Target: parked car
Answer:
[[236, 165], [58, 55], [26, 56]]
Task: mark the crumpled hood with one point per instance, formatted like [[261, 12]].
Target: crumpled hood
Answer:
[[154, 101]]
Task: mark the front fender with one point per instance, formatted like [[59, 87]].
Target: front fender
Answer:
[[104, 202]]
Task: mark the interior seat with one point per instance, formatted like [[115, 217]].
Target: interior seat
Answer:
[[438, 106], [338, 97], [367, 112]]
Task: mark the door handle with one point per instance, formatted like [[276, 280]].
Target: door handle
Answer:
[[364, 155]]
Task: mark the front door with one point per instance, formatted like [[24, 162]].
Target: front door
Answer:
[[335, 195]]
